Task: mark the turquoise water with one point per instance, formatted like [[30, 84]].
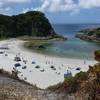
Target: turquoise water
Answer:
[[73, 47]]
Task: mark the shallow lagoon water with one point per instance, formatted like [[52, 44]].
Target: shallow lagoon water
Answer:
[[73, 47]]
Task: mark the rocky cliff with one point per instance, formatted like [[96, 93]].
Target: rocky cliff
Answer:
[[90, 34]]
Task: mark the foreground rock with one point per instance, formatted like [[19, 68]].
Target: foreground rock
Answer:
[[90, 34]]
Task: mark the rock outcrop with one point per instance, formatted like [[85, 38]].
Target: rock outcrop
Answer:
[[90, 34]]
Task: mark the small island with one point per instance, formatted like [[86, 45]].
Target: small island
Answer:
[[90, 34]]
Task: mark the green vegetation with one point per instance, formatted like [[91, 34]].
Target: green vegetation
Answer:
[[97, 33], [32, 23], [97, 51], [24, 36], [70, 79], [52, 86], [15, 72], [76, 77], [90, 33]]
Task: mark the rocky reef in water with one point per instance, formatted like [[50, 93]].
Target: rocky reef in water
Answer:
[[90, 34]]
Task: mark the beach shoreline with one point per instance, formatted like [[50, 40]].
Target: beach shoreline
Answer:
[[52, 53], [33, 75]]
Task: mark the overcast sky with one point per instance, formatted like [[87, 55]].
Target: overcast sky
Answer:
[[57, 11]]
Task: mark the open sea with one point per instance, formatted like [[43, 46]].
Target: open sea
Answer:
[[73, 47]]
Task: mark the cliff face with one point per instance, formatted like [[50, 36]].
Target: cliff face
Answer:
[[90, 34]]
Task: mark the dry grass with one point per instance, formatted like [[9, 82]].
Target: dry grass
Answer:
[[13, 94]]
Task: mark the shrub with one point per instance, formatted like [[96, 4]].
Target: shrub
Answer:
[[76, 77], [90, 33], [15, 72], [97, 33]]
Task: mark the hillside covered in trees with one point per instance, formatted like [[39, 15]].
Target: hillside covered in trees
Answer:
[[32, 23]]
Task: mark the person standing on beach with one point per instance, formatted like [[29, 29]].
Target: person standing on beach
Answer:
[[84, 62]]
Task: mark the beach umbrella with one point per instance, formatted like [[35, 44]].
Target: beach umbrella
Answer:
[[24, 67], [33, 62]]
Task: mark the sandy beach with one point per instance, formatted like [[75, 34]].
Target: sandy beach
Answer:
[[34, 75]]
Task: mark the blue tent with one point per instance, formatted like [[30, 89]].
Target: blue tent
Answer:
[[68, 72], [1, 52], [24, 67], [17, 64], [78, 68], [6, 54], [17, 59], [33, 62]]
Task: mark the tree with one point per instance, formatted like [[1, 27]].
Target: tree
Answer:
[[32, 23]]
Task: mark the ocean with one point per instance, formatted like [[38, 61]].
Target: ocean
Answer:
[[73, 47]]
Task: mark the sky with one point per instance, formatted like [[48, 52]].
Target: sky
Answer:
[[57, 11]]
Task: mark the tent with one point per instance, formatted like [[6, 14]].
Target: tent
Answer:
[[37, 66], [52, 66], [68, 72], [33, 62], [17, 64], [58, 73], [17, 59], [24, 67], [42, 70], [78, 68], [6, 54], [1, 52]]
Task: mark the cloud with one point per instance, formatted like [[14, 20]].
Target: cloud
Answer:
[[52, 5], [67, 5], [76, 11], [19, 1], [10, 4], [91, 12], [56, 5], [44, 7], [88, 4], [25, 10]]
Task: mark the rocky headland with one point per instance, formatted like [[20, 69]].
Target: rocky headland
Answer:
[[90, 34], [52, 37]]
